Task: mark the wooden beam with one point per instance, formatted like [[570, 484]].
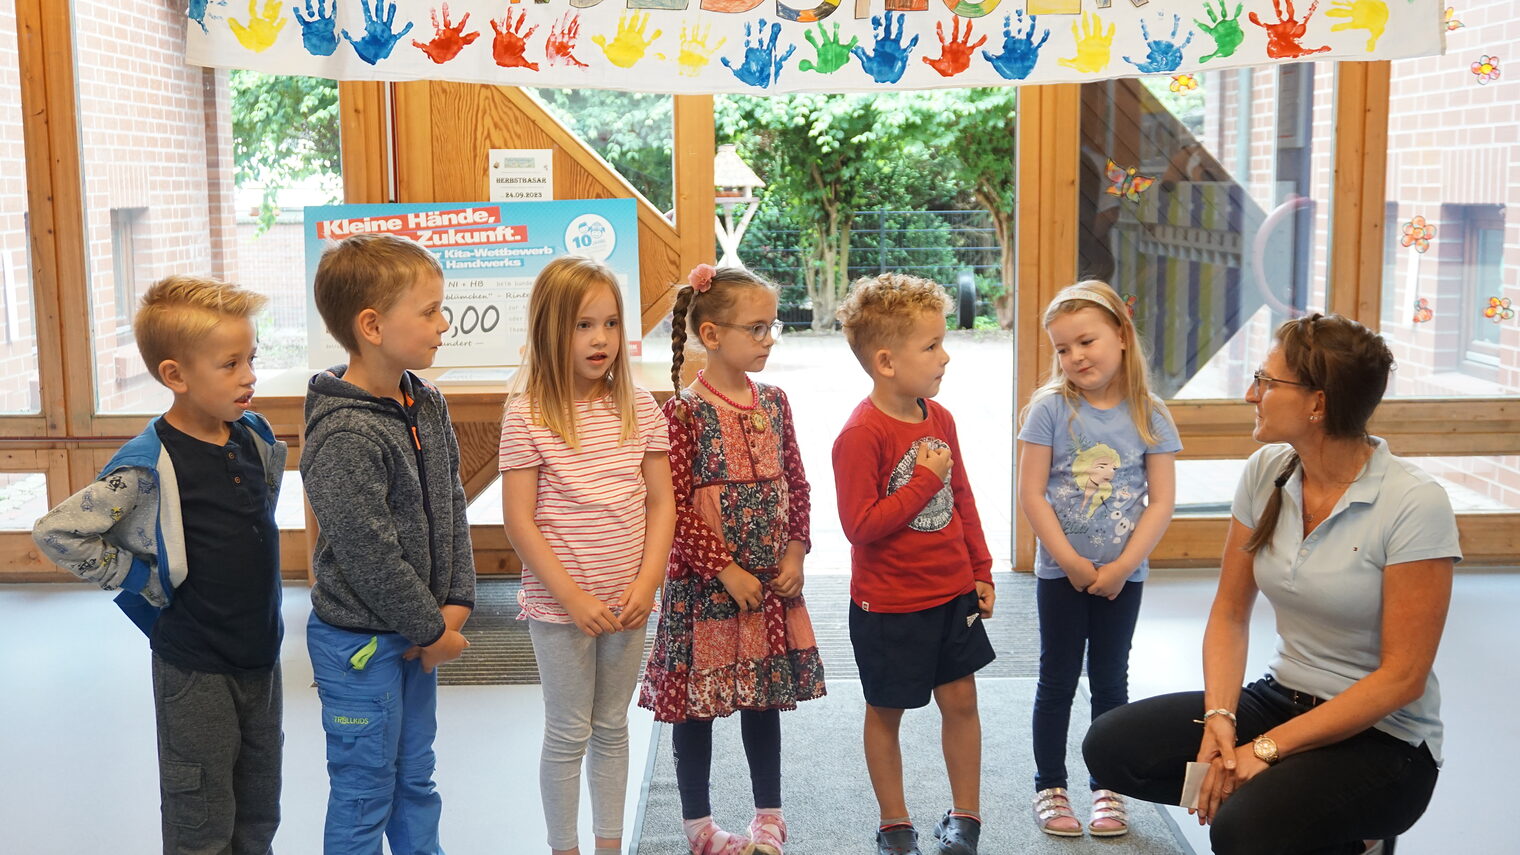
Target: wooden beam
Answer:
[[695, 196], [1361, 171], [413, 107], [1049, 130], [365, 138], [55, 207]]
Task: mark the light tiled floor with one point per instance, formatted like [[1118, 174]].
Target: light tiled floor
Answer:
[[76, 726]]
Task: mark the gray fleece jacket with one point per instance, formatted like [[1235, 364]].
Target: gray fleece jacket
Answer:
[[383, 481]]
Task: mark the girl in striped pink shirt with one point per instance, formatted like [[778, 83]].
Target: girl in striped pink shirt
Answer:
[[588, 506]]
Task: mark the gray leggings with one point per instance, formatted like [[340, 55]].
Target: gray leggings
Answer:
[[588, 684]]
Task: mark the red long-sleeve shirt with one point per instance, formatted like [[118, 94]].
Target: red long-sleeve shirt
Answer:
[[915, 541]]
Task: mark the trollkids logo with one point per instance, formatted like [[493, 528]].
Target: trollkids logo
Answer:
[[351, 720]]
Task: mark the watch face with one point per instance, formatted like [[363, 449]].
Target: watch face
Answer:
[[1264, 749]]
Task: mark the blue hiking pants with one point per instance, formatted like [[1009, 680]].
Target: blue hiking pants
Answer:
[[380, 715]]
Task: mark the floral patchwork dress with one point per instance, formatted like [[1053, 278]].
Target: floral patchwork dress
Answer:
[[741, 496]]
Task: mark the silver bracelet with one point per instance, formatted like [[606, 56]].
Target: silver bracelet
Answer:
[[1208, 714]]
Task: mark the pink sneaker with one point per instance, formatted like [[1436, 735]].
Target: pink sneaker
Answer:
[[705, 841], [768, 831]]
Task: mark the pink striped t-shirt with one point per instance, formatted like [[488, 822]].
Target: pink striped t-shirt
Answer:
[[590, 499]]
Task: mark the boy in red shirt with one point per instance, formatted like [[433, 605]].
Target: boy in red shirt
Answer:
[[921, 575]]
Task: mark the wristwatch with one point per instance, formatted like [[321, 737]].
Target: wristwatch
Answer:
[[1265, 749]]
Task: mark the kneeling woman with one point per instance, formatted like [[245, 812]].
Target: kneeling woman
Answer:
[[1337, 747]]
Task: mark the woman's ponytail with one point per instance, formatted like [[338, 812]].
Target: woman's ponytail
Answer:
[[1267, 524]]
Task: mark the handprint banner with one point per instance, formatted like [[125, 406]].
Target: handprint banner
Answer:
[[765, 46]]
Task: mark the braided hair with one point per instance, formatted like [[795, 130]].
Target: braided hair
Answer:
[[713, 302]]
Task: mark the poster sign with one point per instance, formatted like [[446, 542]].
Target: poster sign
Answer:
[[521, 174], [490, 254], [769, 46]]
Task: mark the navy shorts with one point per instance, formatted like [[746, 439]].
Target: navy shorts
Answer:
[[903, 656]]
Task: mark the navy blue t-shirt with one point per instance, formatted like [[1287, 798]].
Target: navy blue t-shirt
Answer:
[[225, 617]]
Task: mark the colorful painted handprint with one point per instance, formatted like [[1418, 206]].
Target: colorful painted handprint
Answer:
[[696, 48], [1224, 29], [1369, 15], [1094, 47], [560, 46], [1020, 51], [1162, 55], [448, 39], [1284, 38], [319, 28], [380, 34], [954, 55], [628, 44], [890, 60], [761, 67], [262, 29], [832, 54], [510, 46]]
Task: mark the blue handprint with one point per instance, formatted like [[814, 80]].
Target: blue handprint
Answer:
[[761, 66], [1164, 54], [379, 37], [197, 13], [1020, 50], [318, 29], [891, 57]]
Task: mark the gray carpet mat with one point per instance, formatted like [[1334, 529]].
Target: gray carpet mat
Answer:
[[830, 809], [501, 653]]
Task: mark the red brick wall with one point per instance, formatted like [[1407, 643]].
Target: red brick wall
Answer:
[[18, 338]]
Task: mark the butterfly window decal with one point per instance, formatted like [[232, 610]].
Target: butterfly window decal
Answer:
[[1126, 183], [1422, 311], [1418, 234], [1499, 309], [1451, 19], [1129, 304]]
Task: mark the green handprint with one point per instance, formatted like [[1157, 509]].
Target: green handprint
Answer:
[[832, 55], [1225, 30], [628, 45]]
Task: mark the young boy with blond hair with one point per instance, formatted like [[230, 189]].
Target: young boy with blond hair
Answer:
[[920, 571], [181, 520], [395, 575]]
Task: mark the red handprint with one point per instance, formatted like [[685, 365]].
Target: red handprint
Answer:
[[511, 41], [954, 55], [447, 40], [561, 43], [1283, 36]]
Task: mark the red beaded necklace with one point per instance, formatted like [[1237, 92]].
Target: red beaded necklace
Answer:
[[754, 394], [757, 420]]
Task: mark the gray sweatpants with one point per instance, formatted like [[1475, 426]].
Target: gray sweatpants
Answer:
[[219, 751], [588, 684]]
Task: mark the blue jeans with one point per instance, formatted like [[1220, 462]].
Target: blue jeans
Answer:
[[1070, 622], [380, 715]]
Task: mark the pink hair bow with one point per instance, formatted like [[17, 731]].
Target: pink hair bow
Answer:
[[701, 277]]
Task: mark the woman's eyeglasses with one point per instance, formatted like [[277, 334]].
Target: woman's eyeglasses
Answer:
[[1260, 380], [758, 332]]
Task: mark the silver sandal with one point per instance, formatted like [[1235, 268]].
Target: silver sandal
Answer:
[[1108, 809], [1053, 813]]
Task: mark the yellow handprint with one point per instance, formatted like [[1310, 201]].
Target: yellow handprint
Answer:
[[262, 30], [629, 45], [1369, 15], [696, 54], [1092, 45]]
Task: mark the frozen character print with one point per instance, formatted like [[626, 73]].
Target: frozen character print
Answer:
[[1093, 469], [935, 515], [1118, 514]]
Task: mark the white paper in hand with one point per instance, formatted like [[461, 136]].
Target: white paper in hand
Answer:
[[1192, 784]]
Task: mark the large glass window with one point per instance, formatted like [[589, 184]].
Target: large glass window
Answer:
[[633, 131], [1205, 203], [19, 392], [1451, 275], [190, 170]]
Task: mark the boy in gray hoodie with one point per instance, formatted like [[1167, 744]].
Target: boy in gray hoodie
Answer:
[[181, 521], [395, 574]]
